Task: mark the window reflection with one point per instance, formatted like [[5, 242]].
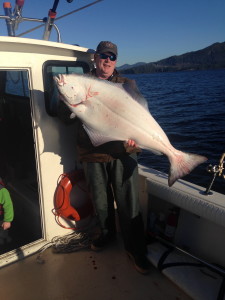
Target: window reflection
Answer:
[[17, 160]]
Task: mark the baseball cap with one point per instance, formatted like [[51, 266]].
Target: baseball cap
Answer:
[[106, 46]]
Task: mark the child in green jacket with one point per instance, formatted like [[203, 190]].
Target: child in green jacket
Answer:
[[6, 207]]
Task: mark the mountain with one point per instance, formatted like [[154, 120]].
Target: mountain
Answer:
[[211, 57], [127, 66]]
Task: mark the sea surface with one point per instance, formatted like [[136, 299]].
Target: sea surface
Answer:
[[190, 107]]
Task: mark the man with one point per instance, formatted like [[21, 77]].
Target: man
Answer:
[[112, 174]]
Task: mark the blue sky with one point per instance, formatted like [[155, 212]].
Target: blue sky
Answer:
[[144, 30]]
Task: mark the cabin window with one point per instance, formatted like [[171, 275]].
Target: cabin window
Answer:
[[52, 69], [18, 160], [17, 83]]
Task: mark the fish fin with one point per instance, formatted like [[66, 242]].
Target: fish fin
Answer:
[[132, 89], [182, 165], [96, 138]]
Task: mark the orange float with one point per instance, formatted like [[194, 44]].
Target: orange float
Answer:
[[62, 198]]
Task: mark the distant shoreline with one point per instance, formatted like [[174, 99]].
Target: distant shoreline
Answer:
[[209, 58]]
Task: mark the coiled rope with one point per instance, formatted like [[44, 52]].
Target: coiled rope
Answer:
[[65, 244]]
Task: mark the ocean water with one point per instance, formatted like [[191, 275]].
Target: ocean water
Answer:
[[190, 107]]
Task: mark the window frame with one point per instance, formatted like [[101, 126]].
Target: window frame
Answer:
[[52, 111]]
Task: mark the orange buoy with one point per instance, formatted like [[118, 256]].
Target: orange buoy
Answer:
[[62, 198]]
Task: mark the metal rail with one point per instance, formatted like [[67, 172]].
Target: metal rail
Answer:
[[216, 170], [14, 17], [56, 19]]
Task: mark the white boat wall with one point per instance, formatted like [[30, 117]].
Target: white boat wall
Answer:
[[195, 258], [38, 147]]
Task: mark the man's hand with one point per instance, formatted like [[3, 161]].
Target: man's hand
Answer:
[[131, 143], [131, 146]]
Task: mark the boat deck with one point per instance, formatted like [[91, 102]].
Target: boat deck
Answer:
[[84, 275]]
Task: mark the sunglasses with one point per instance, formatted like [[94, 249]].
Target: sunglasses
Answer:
[[105, 56]]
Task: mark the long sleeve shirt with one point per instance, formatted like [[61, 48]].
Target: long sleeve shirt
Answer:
[[7, 206]]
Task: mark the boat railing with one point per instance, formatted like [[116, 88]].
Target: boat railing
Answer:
[[217, 170], [13, 17]]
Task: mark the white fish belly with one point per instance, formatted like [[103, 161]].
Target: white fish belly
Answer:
[[120, 117]]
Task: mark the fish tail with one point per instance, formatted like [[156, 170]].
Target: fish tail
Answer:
[[182, 164]]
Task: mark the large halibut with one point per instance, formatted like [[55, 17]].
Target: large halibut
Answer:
[[110, 112]]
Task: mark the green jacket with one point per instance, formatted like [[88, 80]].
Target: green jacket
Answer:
[[6, 203], [86, 151]]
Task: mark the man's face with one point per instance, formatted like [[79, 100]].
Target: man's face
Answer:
[[104, 64]]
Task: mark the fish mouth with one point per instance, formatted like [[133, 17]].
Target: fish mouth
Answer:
[[65, 100], [60, 81]]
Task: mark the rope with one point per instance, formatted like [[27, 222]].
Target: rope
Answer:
[[66, 244], [71, 243]]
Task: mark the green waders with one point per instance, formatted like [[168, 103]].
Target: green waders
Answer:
[[118, 180]]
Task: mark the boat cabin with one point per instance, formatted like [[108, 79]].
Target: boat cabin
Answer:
[[36, 147]]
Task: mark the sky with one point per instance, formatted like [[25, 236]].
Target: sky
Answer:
[[144, 30]]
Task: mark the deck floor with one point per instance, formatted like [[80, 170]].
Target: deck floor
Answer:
[[84, 275]]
